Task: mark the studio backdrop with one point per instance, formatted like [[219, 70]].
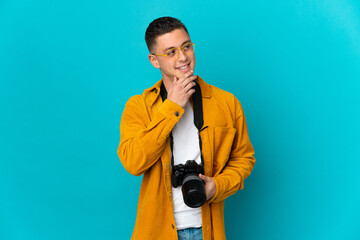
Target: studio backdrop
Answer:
[[67, 69]]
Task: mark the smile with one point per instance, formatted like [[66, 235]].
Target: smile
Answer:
[[184, 67]]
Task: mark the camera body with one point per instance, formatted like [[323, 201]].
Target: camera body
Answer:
[[193, 189]]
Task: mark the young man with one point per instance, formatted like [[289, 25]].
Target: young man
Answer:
[[159, 129]]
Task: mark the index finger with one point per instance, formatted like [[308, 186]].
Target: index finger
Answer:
[[187, 74]]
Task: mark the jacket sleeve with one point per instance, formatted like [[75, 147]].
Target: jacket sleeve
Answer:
[[241, 160], [142, 141]]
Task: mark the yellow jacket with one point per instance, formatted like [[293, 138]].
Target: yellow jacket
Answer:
[[144, 148]]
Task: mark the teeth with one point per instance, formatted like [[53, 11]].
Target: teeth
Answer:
[[183, 67]]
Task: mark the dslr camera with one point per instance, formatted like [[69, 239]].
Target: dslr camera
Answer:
[[193, 189]]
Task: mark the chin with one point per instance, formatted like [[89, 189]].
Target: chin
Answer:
[[181, 74]]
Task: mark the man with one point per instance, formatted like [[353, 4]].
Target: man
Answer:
[[158, 132]]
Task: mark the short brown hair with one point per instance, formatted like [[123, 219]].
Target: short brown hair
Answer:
[[159, 27]]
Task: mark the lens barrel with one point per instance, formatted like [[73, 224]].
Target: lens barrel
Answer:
[[193, 191]]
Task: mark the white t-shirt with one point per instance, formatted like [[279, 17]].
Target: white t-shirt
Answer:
[[185, 147]]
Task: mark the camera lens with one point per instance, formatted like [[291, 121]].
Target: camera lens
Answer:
[[193, 191]]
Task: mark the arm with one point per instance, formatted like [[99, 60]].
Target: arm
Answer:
[[142, 141], [240, 163]]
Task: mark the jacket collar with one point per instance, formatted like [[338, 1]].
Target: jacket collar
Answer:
[[151, 94]]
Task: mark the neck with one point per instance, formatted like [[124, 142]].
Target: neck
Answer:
[[168, 84]]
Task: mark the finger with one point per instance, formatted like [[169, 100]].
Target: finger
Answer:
[[189, 86], [189, 93], [188, 80], [186, 75], [203, 177], [176, 85]]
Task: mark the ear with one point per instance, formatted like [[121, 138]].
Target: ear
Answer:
[[154, 61]]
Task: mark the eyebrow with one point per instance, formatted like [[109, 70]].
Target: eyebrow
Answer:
[[175, 47]]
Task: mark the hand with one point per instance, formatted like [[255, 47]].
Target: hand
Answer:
[[210, 186], [181, 89]]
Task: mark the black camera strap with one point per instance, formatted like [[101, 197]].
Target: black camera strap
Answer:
[[198, 117]]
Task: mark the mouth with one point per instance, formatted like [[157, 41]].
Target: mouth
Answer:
[[184, 68]]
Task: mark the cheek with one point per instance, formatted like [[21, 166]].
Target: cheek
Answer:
[[193, 59], [170, 67]]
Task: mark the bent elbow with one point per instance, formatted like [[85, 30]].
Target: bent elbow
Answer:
[[132, 168], [130, 164]]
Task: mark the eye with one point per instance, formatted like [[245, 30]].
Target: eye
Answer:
[[187, 46], [171, 53]]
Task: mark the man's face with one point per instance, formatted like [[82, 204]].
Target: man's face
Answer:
[[170, 67]]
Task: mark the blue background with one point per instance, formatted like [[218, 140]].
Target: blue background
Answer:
[[68, 67]]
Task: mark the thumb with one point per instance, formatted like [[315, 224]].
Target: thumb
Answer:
[[204, 178]]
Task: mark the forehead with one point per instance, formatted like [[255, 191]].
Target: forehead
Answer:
[[172, 39]]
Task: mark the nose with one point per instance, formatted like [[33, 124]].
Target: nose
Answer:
[[182, 56]]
